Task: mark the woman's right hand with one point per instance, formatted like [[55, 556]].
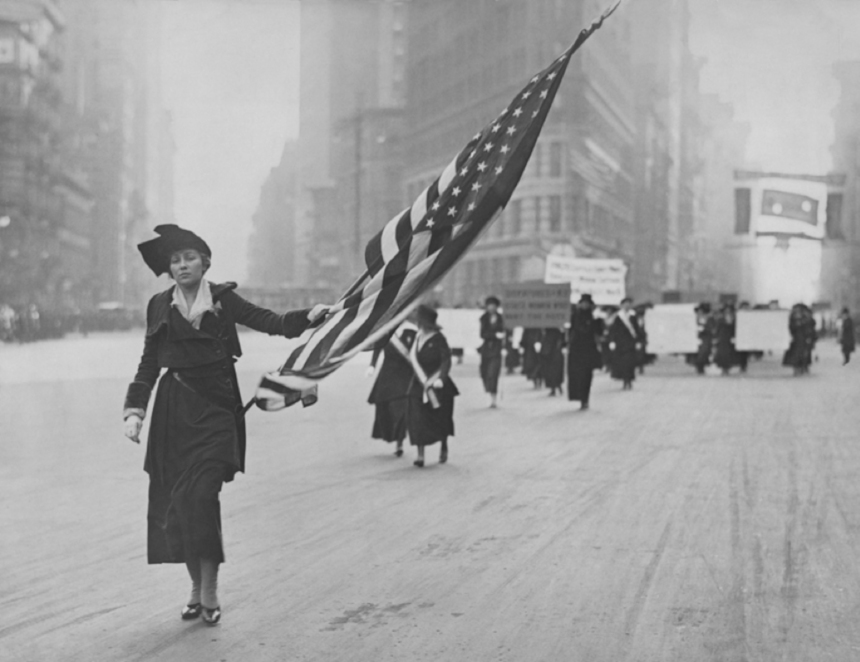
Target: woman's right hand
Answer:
[[132, 428]]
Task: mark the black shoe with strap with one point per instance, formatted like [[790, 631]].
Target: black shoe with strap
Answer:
[[211, 616], [190, 612]]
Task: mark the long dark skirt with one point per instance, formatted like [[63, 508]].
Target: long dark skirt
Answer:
[[428, 425], [579, 383], [184, 518], [491, 367], [624, 365], [390, 421]]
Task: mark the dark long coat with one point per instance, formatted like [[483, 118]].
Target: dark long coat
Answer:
[[390, 391], [491, 350], [426, 424], [197, 428], [846, 335], [583, 356], [725, 355], [625, 355], [552, 358]]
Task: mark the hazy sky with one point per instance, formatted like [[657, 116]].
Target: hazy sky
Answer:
[[230, 78], [772, 59]]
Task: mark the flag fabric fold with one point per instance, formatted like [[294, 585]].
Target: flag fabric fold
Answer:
[[416, 248]]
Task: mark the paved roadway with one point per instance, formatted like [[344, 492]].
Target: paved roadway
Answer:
[[695, 518]]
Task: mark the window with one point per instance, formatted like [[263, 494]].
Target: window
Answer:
[[555, 213], [536, 160], [834, 216], [540, 215], [555, 159]]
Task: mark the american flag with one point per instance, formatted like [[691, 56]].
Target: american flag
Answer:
[[419, 246]]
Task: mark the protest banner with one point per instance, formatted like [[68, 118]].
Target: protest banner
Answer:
[[672, 329], [604, 280], [461, 326], [762, 331], [536, 305]]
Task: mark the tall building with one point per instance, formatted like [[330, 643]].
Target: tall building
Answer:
[[274, 225], [40, 245], [123, 139], [576, 196], [352, 87], [842, 246]]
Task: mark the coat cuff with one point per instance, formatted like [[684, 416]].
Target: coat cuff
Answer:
[[137, 396], [131, 411]]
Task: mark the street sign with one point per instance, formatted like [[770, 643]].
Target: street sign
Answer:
[[536, 305]]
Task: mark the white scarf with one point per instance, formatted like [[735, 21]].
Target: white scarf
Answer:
[[624, 316], [202, 303]]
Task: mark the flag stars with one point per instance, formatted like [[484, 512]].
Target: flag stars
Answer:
[[526, 95], [472, 206], [505, 149], [511, 130], [464, 172], [543, 94], [496, 127], [472, 155], [476, 187], [518, 112], [488, 147], [535, 114], [436, 206], [456, 191], [482, 166], [552, 76], [452, 211], [535, 79], [430, 223], [499, 170]]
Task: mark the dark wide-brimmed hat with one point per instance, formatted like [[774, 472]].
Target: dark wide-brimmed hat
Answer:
[[427, 317], [586, 298], [492, 300], [156, 252]]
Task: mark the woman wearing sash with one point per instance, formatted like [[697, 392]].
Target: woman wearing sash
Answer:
[[391, 388], [431, 391], [625, 338]]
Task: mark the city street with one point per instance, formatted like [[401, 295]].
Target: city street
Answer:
[[692, 519]]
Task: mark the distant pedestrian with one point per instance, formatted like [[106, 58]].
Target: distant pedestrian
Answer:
[[801, 326], [390, 390], [197, 430], [552, 359], [531, 343], [846, 335], [431, 390], [512, 356], [583, 356], [625, 342], [493, 337], [725, 355], [706, 332]]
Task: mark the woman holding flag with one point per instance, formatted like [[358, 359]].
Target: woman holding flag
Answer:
[[197, 432], [432, 391]]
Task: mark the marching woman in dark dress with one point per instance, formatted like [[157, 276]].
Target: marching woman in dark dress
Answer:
[[552, 359], [725, 355], [583, 356], [624, 344], [197, 431], [846, 335], [493, 336], [391, 389], [431, 391]]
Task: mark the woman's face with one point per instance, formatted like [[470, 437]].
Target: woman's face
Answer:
[[187, 267]]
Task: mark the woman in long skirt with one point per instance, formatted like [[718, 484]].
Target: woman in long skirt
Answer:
[[493, 336], [197, 431], [583, 356], [432, 391], [391, 389], [552, 359], [624, 344]]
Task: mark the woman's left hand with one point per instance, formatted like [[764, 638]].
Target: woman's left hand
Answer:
[[318, 311]]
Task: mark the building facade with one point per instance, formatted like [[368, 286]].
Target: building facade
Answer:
[[576, 195]]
